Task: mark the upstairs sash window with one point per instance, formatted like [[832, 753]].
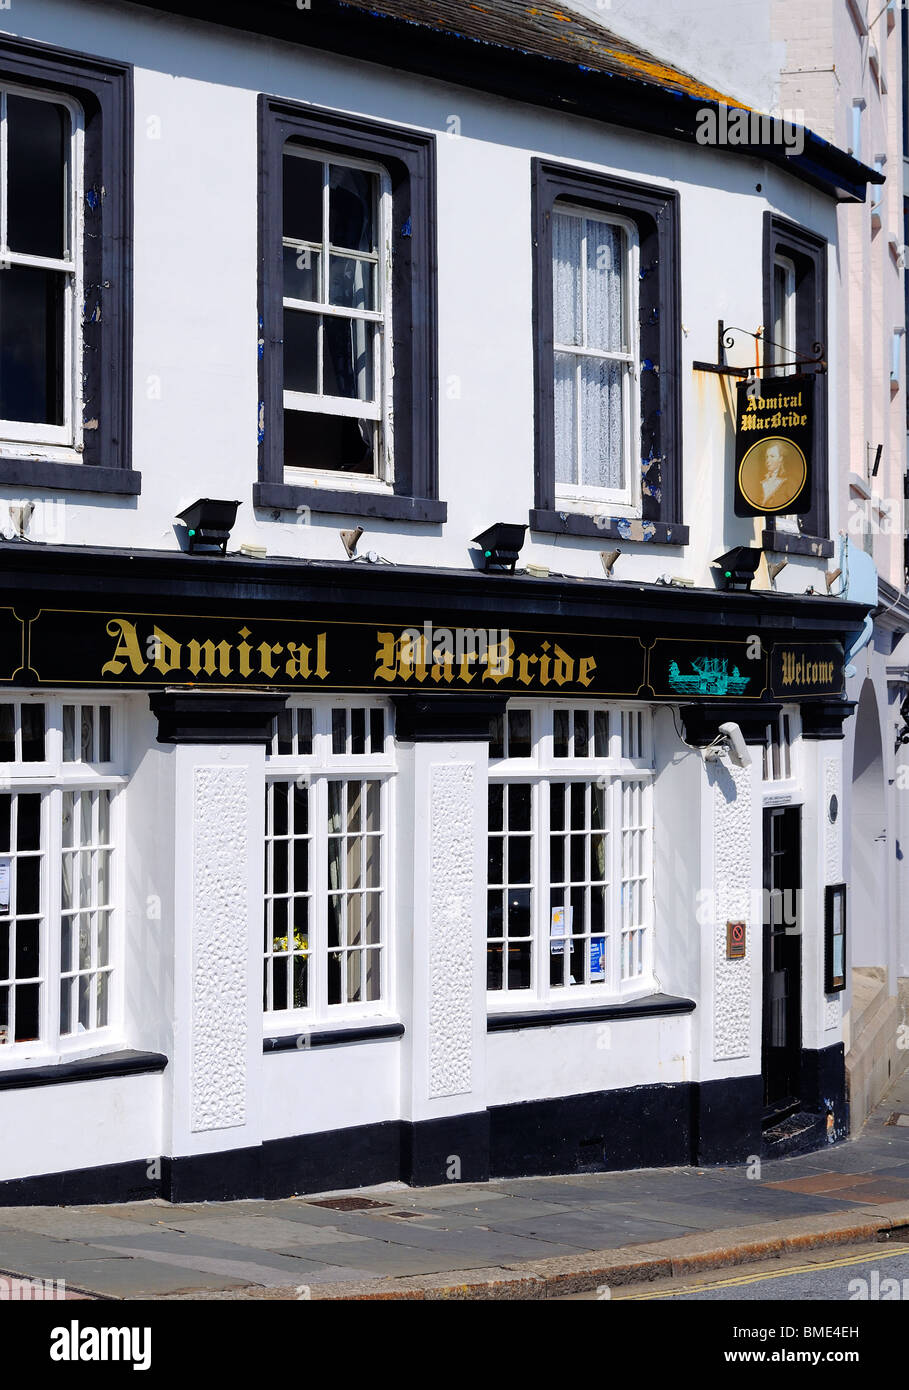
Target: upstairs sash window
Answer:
[[40, 278]]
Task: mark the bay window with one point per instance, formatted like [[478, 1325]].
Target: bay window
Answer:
[[569, 908], [59, 837], [327, 888]]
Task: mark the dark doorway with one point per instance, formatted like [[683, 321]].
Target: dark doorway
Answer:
[[782, 1028]]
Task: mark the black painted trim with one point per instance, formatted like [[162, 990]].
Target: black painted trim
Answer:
[[654, 1006], [446, 718], [702, 720], [410, 159], [656, 213], [650, 1126], [784, 544], [610, 528], [104, 89], [112, 1064], [825, 718], [331, 1037], [385, 506], [233, 716], [70, 477], [809, 254]]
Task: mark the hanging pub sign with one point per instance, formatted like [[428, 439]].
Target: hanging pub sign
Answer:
[[773, 434]]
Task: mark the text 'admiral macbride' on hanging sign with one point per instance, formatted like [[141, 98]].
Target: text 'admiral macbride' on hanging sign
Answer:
[[774, 431], [133, 649]]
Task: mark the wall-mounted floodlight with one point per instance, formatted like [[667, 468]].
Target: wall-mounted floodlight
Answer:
[[830, 578], [775, 569], [608, 559], [738, 566], [208, 523], [501, 545]]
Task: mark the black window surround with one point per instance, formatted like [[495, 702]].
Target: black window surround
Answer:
[[808, 253], [104, 90], [655, 211], [410, 159]]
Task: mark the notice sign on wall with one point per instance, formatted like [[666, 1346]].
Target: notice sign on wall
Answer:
[[774, 429]]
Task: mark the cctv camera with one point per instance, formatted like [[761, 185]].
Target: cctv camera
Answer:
[[736, 745]]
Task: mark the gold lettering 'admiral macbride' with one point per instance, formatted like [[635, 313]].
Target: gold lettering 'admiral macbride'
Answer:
[[777, 413], [800, 671], [413, 659], [243, 659]]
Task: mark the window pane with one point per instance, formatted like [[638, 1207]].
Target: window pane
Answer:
[[301, 273], [566, 275], [605, 274], [7, 733], [566, 419], [28, 821], [519, 733], [88, 734], [304, 731], [69, 733], [560, 733], [31, 345], [347, 360], [32, 733], [602, 424], [301, 349], [350, 208], [38, 134], [330, 442], [302, 198], [104, 734], [351, 283]]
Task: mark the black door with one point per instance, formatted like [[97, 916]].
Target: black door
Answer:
[[782, 960]]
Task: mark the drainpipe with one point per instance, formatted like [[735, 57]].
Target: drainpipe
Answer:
[[859, 585]]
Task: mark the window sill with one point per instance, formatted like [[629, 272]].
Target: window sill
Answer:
[[620, 528], [785, 544], [111, 1064], [70, 477], [306, 1039], [349, 502], [651, 1006]]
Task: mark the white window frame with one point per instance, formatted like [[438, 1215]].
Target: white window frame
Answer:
[[51, 779], [580, 496], [379, 410], [540, 770], [319, 768], [784, 346], [69, 434]]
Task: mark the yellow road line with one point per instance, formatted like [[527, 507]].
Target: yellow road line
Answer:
[[760, 1278]]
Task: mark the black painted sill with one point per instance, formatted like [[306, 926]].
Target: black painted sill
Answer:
[[653, 1006], [110, 1064], [388, 506], [331, 1037], [70, 477], [611, 528], [784, 544]]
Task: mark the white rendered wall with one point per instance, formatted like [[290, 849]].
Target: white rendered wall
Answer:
[[81, 1124], [195, 258]]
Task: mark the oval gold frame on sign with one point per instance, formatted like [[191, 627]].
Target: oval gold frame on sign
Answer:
[[791, 472]]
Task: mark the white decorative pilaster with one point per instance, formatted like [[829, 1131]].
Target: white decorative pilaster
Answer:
[[451, 977], [734, 857]]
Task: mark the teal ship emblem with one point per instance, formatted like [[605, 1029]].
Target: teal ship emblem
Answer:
[[710, 676]]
